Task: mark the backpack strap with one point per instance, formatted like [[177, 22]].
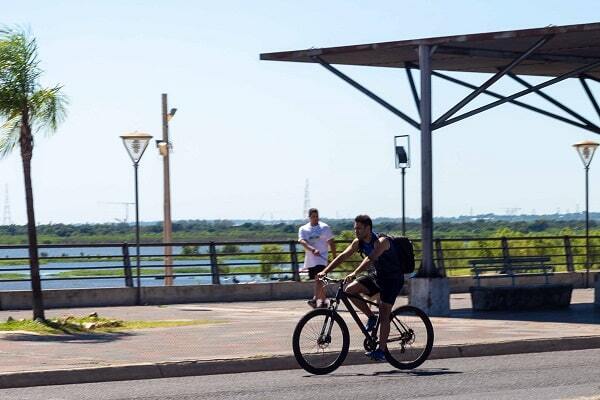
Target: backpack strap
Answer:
[[360, 249], [376, 237]]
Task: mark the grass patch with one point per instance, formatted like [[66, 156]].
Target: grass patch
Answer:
[[10, 275], [119, 272], [91, 324]]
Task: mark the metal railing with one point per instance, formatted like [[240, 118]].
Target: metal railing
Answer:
[[115, 264]]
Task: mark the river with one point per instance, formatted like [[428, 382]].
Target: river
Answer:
[[53, 267]]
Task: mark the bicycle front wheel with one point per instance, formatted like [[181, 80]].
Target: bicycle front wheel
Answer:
[[411, 338], [321, 341]]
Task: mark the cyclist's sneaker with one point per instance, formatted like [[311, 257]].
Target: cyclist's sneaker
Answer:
[[377, 355], [371, 323], [312, 303]]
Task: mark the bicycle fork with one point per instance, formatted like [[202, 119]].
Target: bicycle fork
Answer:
[[325, 336]]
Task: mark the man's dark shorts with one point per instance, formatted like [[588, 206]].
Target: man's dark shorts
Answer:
[[313, 271], [388, 288]]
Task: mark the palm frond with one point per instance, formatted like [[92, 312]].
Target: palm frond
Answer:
[[20, 91], [10, 132], [19, 64], [47, 109]]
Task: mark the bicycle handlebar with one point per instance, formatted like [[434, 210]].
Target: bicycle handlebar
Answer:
[[326, 279]]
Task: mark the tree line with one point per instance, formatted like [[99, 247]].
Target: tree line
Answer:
[[202, 230]]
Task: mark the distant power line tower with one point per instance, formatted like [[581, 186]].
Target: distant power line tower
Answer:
[[6, 219], [306, 199], [123, 203]]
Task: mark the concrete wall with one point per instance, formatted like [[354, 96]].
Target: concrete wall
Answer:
[[21, 300], [597, 290], [577, 279], [64, 298]]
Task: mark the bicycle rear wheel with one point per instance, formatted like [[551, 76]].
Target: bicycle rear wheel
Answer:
[[411, 338], [321, 341]]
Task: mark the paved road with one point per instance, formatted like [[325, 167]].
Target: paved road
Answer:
[[559, 375]]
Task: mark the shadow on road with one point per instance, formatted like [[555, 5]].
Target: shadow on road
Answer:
[[418, 372], [399, 372], [74, 338]]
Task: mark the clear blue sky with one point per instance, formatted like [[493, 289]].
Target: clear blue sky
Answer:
[[248, 132]]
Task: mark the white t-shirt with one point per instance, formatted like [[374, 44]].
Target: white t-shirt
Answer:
[[317, 236]]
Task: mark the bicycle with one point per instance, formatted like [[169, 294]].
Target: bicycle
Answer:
[[321, 339]]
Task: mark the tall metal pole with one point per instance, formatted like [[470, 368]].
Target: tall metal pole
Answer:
[[167, 228], [426, 162], [403, 203], [587, 225], [137, 236]]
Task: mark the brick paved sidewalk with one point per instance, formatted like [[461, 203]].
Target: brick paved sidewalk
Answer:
[[252, 329]]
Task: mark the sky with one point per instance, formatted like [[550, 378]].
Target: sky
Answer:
[[249, 133]]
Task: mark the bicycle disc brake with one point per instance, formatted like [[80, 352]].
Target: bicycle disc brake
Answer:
[[323, 341]]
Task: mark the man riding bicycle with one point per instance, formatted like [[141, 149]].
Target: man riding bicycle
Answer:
[[383, 277]]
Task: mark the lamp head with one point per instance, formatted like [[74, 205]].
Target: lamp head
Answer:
[[401, 157], [135, 143], [402, 151], [163, 147], [171, 114], [586, 151]]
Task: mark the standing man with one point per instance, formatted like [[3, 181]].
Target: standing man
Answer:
[[315, 236]]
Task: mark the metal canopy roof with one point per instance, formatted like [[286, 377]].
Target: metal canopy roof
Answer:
[[569, 47]]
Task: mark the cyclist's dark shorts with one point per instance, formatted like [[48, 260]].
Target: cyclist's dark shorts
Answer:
[[388, 288], [313, 271]]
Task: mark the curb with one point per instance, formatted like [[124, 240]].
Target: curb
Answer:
[[273, 363]]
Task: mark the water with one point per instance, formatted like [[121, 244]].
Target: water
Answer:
[[51, 268], [111, 251]]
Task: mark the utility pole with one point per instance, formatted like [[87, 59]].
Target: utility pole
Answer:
[[306, 200], [164, 147]]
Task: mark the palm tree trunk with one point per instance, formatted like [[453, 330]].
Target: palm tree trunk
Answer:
[[26, 141]]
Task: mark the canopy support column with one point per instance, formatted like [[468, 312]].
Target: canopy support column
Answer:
[[429, 290]]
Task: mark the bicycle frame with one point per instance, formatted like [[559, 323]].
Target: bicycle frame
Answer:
[[344, 297]]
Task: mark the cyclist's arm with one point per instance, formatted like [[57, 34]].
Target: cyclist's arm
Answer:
[[381, 245], [343, 256]]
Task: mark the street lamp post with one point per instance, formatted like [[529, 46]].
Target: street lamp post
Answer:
[[136, 143], [402, 162], [586, 151], [164, 147]]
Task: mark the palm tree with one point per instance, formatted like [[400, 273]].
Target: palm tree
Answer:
[[26, 108]]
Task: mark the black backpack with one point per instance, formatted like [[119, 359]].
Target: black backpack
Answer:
[[401, 257], [405, 253]]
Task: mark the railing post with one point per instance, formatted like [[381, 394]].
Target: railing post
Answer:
[[214, 265], [569, 254], [439, 254], [505, 254], [294, 259], [127, 265]]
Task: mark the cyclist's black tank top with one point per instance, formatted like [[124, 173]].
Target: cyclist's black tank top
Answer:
[[381, 267], [367, 247]]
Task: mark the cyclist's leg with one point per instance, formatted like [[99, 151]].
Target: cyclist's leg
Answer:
[[319, 290], [358, 287], [385, 310], [390, 289]]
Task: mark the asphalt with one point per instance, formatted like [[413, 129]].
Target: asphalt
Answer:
[[256, 336]]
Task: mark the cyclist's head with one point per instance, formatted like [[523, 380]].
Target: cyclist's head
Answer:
[[313, 216], [362, 226]]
